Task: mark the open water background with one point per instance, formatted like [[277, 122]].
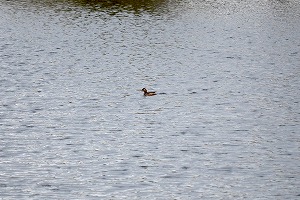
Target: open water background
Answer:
[[225, 125]]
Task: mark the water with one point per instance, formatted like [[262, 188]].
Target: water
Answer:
[[225, 124]]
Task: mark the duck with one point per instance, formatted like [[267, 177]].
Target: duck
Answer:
[[146, 93]]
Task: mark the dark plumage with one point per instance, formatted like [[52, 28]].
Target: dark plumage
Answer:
[[146, 93]]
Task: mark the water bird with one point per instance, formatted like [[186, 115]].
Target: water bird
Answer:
[[146, 93]]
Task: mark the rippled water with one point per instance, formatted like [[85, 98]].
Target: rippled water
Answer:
[[224, 125]]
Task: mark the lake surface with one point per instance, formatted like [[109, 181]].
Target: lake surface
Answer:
[[224, 125]]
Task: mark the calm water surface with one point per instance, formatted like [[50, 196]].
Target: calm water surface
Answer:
[[225, 124]]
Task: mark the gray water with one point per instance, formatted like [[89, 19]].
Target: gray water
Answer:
[[224, 125]]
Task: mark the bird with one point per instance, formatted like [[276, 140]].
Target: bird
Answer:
[[146, 93]]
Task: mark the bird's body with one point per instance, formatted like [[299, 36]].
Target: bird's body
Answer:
[[146, 93]]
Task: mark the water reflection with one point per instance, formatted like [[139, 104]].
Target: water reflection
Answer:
[[109, 6], [129, 5], [156, 7]]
